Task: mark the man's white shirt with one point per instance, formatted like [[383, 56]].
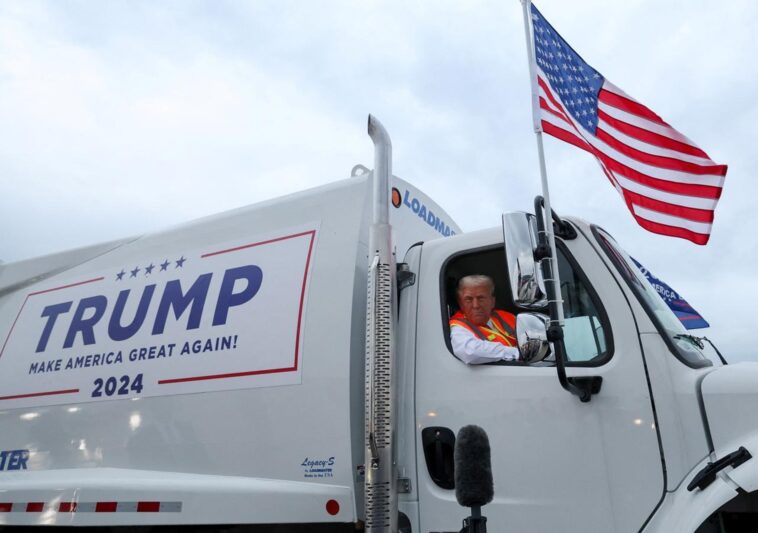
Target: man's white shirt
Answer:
[[475, 351]]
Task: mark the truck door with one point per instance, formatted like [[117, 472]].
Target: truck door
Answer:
[[558, 464]]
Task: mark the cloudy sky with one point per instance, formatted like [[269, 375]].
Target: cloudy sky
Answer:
[[119, 118]]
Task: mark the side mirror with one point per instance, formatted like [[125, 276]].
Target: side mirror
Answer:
[[531, 333], [520, 238]]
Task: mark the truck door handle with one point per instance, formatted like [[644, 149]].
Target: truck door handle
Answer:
[[439, 443]]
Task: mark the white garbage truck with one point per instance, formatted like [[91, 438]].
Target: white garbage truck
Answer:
[[287, 366]]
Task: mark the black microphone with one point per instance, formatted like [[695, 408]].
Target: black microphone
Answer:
[[473, 475]]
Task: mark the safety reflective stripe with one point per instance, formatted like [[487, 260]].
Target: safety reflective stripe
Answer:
[[473, 328], [504, 332], [505, 327], [92, 507], [499, 335]]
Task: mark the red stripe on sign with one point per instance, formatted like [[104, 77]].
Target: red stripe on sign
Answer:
[[225, 376], [35, 394], [6, 507], [67, 507], [42, 292], [148, 507], [294, 367], [302, 297], [13, 326], [106, 507], [35, 507], [67, 286], [244, 246]]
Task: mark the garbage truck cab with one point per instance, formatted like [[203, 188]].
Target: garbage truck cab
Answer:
[[611, 464]]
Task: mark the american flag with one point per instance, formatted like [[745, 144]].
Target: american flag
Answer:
[[669, 184]]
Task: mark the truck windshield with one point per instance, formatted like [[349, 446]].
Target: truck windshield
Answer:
[[670, 328]]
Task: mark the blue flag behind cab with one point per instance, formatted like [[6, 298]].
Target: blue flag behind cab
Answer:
[[690, 318]]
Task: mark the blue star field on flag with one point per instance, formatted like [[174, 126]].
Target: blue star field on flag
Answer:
[[577, 83]]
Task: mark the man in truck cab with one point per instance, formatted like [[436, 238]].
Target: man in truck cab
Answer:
[[479, 333]]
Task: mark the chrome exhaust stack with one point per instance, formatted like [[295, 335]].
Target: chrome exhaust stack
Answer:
[[380, 476]]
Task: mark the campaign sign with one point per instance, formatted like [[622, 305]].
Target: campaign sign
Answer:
[[228, 316], [686, 314]]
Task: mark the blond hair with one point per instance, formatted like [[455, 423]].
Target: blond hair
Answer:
[[476, 280]]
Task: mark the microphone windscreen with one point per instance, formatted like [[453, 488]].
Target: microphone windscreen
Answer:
[[473, 468]]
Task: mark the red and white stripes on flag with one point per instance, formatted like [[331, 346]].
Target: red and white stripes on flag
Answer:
[[669, 184]]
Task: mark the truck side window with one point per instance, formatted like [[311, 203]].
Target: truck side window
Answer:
[[586, 332], [583, 330], [489, 261]]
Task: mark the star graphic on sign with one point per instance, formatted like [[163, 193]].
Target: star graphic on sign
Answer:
[[120, 275], [165, 264], [180, 262], [149, 269], [134, 272]]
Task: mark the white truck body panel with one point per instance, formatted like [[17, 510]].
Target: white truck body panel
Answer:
[[685, 511], [181, 498], [680, 420], [730, 396], [272, 411], [555, 455], [680, 425]]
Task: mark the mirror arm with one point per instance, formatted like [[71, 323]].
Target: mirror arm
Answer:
[[561, 228], [581, 387]]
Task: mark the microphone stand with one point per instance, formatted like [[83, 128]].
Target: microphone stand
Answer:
[[476, 523]]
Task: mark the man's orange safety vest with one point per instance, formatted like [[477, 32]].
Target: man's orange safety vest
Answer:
[[504, 330]]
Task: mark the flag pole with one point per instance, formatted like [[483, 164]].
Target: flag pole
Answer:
[[547, 212]]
